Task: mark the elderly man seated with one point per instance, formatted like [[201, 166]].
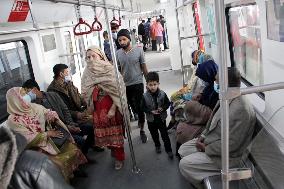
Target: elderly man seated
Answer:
[[201, 157]]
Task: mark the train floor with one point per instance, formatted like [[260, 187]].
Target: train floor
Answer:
[[157, 171]]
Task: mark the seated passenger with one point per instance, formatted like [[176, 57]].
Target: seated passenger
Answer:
[[193, 87], [31, 121], [196, 116], [207, 72], [26, 169], [63, 86], [201, 157], [51, 100]]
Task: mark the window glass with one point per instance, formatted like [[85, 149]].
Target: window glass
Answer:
[[69, 49], [15, 70], [245, 42], [275, 20]]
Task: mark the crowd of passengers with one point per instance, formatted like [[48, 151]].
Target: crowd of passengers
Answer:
[[48, 134]]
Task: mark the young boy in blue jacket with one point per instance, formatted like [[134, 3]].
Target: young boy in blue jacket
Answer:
[[155, 103]]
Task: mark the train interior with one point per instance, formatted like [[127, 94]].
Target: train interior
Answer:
[[45, 32]]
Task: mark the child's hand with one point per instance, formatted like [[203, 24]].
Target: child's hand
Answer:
[[155, 112]]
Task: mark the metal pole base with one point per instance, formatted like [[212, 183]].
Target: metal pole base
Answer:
[[136, 170]]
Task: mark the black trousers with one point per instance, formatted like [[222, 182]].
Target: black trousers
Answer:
[[134, 95], [154, 128], [86, 129], [154, 45]]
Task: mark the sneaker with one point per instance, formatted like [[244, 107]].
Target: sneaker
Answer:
[[143, 136], [135, 117], [98, 149], [80, 173], [91, 161], [118, 165], [171, 155], [158, 149]]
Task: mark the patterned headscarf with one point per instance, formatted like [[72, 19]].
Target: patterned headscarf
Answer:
[[101, 73], [28, 119]]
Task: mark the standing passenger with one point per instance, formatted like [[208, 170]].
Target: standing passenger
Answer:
[[155, 103], [141, 34], [107, 46], [99, 88], [132, 65], [159, 35]]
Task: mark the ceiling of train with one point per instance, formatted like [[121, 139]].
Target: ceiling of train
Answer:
[[66, 11]]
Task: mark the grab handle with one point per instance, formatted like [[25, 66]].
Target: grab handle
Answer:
[[82, 22], [97, 26]]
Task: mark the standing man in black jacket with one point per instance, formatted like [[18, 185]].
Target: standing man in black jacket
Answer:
[[142, 34]]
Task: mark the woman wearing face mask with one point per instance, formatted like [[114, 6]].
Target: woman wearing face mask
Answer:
[[207, 72], [193, 87], [100, 90], [29, 120]]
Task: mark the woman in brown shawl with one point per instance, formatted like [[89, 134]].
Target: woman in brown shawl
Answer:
[[196, 116], [101, 92]]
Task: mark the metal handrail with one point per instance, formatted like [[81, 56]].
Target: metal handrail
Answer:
[[70, 54], [90, 3], [180, 49], [223, 78], [135, 169], [33, 29], [262, 88], [194, 36]]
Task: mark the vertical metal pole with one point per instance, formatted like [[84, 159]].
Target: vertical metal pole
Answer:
[[99, 33], [223, 79], [35, 24], [179, 42], [135, 169]]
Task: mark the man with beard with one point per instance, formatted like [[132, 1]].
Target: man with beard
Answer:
[[132, 65]]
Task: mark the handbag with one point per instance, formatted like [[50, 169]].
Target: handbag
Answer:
[[60, 141], [186, 132]]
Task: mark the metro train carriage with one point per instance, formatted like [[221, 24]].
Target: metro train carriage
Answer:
[[80, 79]]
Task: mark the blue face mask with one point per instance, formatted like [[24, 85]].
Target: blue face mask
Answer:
[[27, 98], [216, 87], [201, 58], [32, 95]]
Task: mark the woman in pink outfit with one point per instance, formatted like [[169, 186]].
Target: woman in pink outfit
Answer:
[[158, 28]]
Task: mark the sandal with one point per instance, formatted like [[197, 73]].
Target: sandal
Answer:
[[118, 165]]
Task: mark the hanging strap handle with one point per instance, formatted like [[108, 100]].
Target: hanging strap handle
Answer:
[[97, 26], [82, 22]]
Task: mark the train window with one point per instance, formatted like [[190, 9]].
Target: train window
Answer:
[[15, 69], [275, 20], [244, 41], [69, 49], [48, 42]]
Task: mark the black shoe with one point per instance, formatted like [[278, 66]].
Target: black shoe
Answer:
[[158, 149], [91, 161], [80, 173], [98, 149], [143, 136], [135, 117], [171, 155], [171, 125]]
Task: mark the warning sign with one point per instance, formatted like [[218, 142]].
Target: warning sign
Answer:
[[19, 11]]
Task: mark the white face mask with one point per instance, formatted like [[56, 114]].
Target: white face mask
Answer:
[[114, 35], [67, 78]]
